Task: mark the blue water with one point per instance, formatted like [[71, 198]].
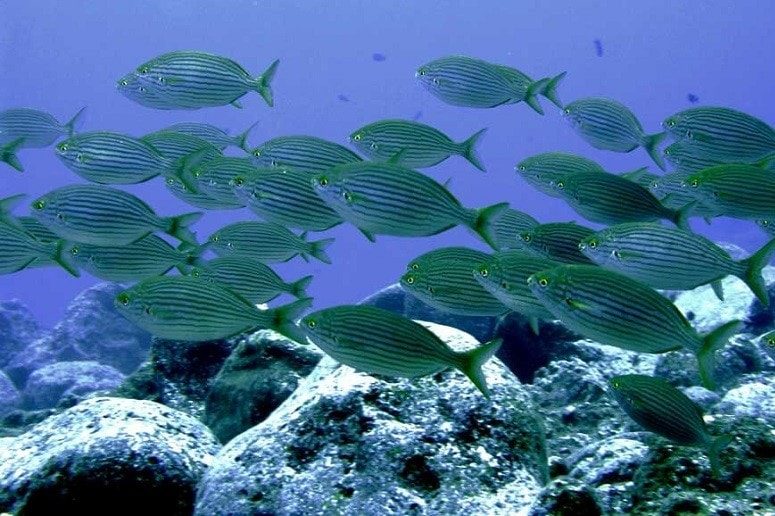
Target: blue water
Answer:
[[60, 56]]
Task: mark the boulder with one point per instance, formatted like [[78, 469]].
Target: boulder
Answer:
[[10, 398], [106, 455], [18, 328], [67, 383], [347, 442]]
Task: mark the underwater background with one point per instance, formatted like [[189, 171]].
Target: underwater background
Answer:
[[99, 416]]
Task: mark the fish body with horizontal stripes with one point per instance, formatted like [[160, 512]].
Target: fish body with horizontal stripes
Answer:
[[722, 133], [504, 275], [175, 146], [41, 233], [659, 407], [303, 152], [613, 309], [376, 341], [192, 309], [470, 82], [387, 199], [558, 241], [685, 158], [101, 215], [214, 177], [20, 250], [194, 80], [266, 242], [36, 128], [529, 89], [442, 279], [135, 89], [543, 171], [671, 193], [412, 144], [112, 158], [249, 278], [611, 199], [285, 196], [504, 229], [673, 259], [147, 257], [738, 191], [214, 135], [183, 190], [609, 125]]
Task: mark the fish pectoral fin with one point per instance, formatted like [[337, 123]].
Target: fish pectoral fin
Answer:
[[236, 104], [575, 304], [368, 234]]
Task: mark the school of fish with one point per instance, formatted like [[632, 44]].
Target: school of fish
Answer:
[[601, 284]]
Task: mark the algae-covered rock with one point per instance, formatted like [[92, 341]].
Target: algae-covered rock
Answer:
[[10, 398], [18, 328], [106, 455], [346, 442], [68, 383]]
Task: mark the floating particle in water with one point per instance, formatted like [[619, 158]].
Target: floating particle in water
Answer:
[[417, 116], [691, 97], [343, 98], [598, 47], [376, 56]]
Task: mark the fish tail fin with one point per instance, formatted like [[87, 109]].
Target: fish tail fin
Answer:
[[7, 204], [651, 143], [241, 140], [317, 249], [706, 354], [299, 287], [179, 226], [468, 149], [714, 450], [751, 271], [72, 124], [263, 83], [481, 222], [471, 363], [62, 257], [8, 154], [284, 319], [680, 217], [531, 96], [550, 89]]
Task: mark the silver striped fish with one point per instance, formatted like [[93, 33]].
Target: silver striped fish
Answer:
[[41, 233], [214, 135], [249, 278], [738, 191], [174, 146], [613, 309], [609, 125], [659, 407], [285, 196], [722, 133], [303, 152], [214, 177], [673, 259], [134, 88], [412, 144], [194, 80], [100, 215], [112, 158], [387, 199], [442, 279], [610, 199], [685, 158], [543, 171], [671, 193], [504, 229], [266, 242], [192, 309], [147, 257], [377, 341], [558, 241], [182, 189], [36, 128], [529, 89], [505, 274], [20, 250]]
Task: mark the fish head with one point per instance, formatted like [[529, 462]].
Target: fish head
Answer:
[[244, 189], [573, 115], [538, 176], [531, 242], [419, 283], [769, 339], [261, 156], [429, 76], [48, 211], [334, 191], [131, 304], [71, 152], [320, 327], [82, 256], [767, 225], [624, 395], [599, 247], [364, 140], [551, 286], [674, 153], [676, 125], [220, 242], [490, 275]]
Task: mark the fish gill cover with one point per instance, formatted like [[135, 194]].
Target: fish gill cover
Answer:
[[599, 282]]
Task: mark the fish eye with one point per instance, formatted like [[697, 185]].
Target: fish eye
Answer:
[[215, 238], [592, 244], [323, 181], [522, 168], [357, 137], [170, 181], [195, 273], [62, 147], [123, 298], [123, 82], [560, 185], [671, 123], [566, 111], [74, 251], [415, 266], [526, 237], [39, 205], [654, 184], [257, 153], [422, 71], [694, 183], [238, 181], [142, 70], [543, 282], [347, 196], [311, 323], [484, 272], [410, 280], [667, 152]]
